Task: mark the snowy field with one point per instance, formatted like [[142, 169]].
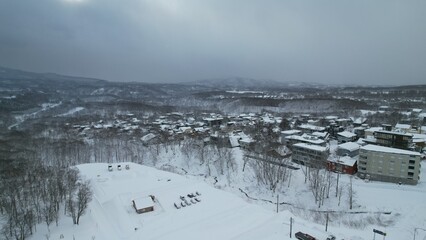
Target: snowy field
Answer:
[[227, 214], [219, 215]]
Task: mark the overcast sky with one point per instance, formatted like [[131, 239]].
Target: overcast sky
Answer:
[[349, 42]]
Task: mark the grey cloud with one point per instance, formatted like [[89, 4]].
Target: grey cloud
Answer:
[[367, 42]]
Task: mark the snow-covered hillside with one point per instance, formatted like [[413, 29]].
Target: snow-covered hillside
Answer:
[[219, 214]]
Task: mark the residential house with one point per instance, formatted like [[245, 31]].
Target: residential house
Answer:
[[350, 149], [345, 136], [346, 164], [419, 141], [360, 132], [405, 128], [309, 128], [287, 133]]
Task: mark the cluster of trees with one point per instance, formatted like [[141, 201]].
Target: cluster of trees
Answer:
[[270, 171], [212, 156], [321, 181], [31, 193]]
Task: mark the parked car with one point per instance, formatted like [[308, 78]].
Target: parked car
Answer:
[[191, 195], [331, 237], [304, 236], [177, 206]]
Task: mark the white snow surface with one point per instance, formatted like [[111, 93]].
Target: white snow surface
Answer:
[[71, 112], [225, 213], [219, 214]]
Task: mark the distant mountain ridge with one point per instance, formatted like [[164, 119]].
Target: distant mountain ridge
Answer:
[[15, 74], [248, 83], [10, 76]]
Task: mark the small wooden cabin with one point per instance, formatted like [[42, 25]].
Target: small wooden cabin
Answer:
[[144, 204]]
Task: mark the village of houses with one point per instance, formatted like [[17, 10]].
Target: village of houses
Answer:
[[347, 145]]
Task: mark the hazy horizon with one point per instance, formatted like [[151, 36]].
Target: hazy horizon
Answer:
[[328, 42]]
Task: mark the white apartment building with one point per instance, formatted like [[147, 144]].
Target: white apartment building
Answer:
[[389, 164], [310, 155]]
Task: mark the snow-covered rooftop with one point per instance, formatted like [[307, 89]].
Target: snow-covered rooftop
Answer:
[[373, 129], [320, 134], [350, 146], [346, 160], [311, 147], [396, 133], [306, 138], [346, 134], [402, 126], [291, 132], [143, 202], [148, 137], [311, 127], [377, 148]]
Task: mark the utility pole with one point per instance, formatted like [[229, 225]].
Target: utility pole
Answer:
[[291, 225], [326, 222], [278, 198]]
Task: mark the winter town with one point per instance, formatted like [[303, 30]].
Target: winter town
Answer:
[[212, 120]]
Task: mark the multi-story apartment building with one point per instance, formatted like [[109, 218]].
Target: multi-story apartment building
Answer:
[[305, 138], [310, 155], [389, 164], [394, 139]]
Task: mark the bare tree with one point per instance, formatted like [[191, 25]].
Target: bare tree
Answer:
[[79, 201], [351, 193], [270, 171]]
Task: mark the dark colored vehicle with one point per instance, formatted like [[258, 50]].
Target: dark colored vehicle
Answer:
[[304, 236], [331, 237], [191, 195]]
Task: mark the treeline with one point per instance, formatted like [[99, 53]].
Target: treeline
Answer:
[[32, 194]]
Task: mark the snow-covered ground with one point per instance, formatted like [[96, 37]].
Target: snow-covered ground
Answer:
[[226, 213], [44, 107], [71, 112], [219, 215]]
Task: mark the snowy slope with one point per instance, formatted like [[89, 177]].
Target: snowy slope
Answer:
[[221, 214]]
